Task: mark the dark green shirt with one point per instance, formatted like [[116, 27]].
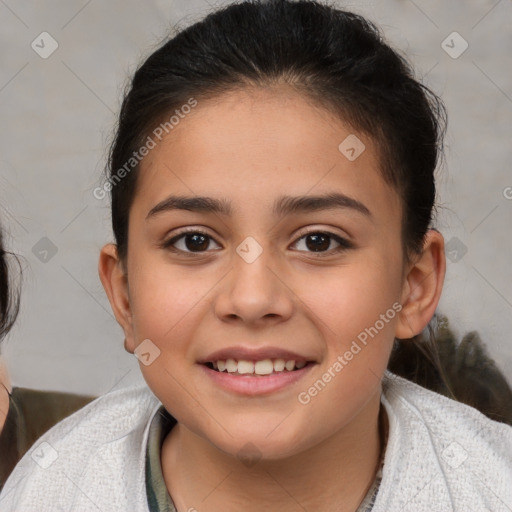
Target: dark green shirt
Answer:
[[158, 497], [31, 414]]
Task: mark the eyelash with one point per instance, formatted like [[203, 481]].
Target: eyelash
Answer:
[[344, 244]]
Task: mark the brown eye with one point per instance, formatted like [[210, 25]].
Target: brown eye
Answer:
[[320, 242], [196, 242], [191, 241]]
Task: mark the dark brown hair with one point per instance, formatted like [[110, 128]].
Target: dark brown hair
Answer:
[[9, 297], [462, 370]]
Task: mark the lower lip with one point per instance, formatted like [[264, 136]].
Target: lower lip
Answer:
[[256, 385]]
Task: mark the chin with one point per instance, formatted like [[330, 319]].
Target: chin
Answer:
[[254, 444]]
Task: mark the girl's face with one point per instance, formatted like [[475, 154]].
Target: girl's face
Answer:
[[293, 253]]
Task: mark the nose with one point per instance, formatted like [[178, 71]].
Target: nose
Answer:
[[255, 293]]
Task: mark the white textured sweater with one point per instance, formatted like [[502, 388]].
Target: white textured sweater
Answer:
[[441, 456]]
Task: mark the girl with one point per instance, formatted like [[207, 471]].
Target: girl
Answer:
[[272, 185], [25, 414], [9, 307]]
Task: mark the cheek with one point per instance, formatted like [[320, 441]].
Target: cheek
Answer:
[[162, 297], [357, 319], [353, 297], [356, 308], [167, 307]]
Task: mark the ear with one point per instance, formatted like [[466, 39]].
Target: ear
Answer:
[[115, 282], [422, 288]]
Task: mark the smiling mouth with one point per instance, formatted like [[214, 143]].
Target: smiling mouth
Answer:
[[259, 368]]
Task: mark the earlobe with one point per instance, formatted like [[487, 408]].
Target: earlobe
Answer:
[[115, 282], [422, 287]]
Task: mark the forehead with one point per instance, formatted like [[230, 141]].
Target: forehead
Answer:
[[256, 144], [275, 121]]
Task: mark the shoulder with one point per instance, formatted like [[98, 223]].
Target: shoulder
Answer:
[[441, 415], [95, 456], [38, 411], [442, 451]]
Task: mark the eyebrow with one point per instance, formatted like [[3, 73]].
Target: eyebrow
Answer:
[[284, 205]]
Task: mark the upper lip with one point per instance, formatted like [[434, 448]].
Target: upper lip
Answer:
[[247, 354]]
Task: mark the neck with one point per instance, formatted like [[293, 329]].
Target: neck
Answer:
[[5, 389], [339, 471]]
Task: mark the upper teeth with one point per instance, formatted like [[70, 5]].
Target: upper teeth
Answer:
[[263, 367]]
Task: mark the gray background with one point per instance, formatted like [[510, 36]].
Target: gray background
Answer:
[[57, 116]]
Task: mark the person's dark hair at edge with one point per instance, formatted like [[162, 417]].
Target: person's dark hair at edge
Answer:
[[9, 300], [339, 60]]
